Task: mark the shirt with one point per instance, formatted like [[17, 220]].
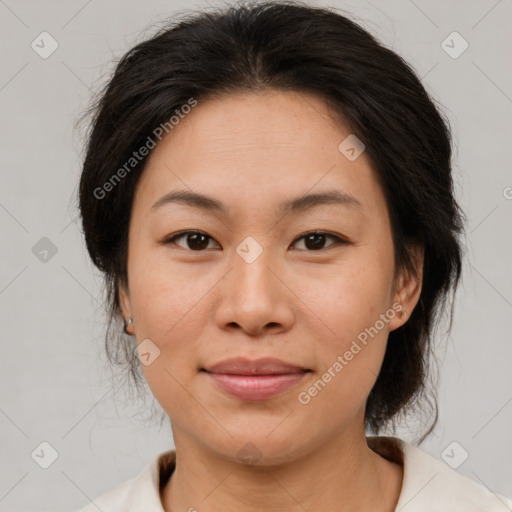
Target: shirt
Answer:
[[429, 484]]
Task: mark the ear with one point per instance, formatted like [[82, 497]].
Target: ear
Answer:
[[408, 286], [125, 305]]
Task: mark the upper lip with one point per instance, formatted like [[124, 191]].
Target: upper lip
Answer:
[[262, 366]]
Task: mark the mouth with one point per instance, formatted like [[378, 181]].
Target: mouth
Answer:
[[256, 387], [253, 380], [262, 366]]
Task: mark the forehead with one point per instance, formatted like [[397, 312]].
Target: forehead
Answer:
[[257, 149]]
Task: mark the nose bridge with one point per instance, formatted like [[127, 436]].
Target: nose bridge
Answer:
[[251, 263], [253, 296]]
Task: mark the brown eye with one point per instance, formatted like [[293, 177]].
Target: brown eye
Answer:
[[195, 240], [315, 241], [198, 241]]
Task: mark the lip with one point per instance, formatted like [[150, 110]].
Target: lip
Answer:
[[259, 379], [256, 387], [261, 366]]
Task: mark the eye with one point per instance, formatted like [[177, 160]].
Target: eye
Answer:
[[315, 240], [197, 240]]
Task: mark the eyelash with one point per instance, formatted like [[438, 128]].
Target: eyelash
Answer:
[[339, 240]]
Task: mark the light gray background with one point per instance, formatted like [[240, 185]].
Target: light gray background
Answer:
[[56, 384]]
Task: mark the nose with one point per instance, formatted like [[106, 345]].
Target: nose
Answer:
[[255, 297]]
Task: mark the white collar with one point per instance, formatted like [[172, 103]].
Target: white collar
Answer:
[[429, 485]]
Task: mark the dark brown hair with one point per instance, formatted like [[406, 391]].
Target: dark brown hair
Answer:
[[288, 46]]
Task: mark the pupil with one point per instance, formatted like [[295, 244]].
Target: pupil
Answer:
[[318, 241], [198, 245]]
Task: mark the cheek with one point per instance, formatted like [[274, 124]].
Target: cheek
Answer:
[[168, 311], [354, 312], [353, 295], [350, 356], [164, 294]]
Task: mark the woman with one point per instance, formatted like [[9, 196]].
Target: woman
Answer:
[[268, 192]]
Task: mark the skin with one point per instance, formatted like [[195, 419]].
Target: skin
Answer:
[[252, 151]]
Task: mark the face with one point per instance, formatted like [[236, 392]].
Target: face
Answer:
[[312, 285]]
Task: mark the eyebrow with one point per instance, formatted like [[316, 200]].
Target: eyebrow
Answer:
[[295, 205]]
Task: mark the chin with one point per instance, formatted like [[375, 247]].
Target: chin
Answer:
[[260, 445]]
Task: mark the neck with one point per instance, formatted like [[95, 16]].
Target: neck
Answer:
[[345, 476]]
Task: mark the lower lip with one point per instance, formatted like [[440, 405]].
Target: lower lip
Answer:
[[256, 387]]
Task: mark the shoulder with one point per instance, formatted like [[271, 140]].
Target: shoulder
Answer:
[[429, 484], [111, 500], [140, 493]]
